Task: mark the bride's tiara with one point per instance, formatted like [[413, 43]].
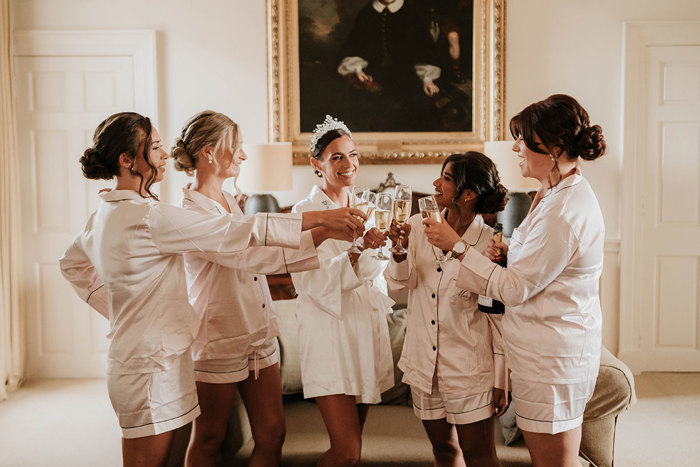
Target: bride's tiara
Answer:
[[328, 124]]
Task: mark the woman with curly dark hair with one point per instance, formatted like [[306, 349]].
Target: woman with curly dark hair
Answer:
[[452, 357]]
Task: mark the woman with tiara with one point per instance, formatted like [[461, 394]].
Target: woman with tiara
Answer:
[[346, 360]]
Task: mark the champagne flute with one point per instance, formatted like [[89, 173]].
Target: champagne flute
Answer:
[[402, 211], [383, 211], [429, 208], [359, 199]]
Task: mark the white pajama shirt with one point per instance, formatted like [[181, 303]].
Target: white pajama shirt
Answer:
[[448, 340], [552, 325], [234, 304], [343, 331], [127, 264]]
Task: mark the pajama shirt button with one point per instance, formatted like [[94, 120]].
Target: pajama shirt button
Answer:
[[433, 295], [432, 322], [434, 348]]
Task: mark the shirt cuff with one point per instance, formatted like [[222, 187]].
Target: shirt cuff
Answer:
[[475, 272], [399, 271], [305, 258], [500, 372], [283, 230]]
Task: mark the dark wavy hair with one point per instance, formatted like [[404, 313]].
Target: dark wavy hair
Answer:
[[559, 121], [476, 172], [121, 133]]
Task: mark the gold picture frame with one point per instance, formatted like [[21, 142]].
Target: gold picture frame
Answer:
[[395, 147]]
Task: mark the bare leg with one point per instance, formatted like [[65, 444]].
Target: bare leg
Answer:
[[443, 437], [476, 441], [263, 402], [560, 450], [209, 429], [362, 410], [342, 417], [149, 451]]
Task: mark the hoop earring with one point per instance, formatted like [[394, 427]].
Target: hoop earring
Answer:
[[318, 173]]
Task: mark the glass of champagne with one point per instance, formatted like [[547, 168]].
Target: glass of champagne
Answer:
[[382, 218], [402, 211], [360, 200], [429, 208]]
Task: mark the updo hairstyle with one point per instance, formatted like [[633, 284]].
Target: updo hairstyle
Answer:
[[207, 128], [476, 172], [560, 121], [121, 133]]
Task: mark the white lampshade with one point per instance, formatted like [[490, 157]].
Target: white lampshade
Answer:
[[501, 153], [268, 168]]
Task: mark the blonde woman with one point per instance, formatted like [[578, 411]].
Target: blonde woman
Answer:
[[234, 348], [127, 264], [346, 358]]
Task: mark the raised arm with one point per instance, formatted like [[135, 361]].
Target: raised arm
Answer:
[[548, 249], [177, 230], [269, 260]]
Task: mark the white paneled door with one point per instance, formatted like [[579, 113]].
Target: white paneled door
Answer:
[[669, 190], [60, 101], [63, 90]]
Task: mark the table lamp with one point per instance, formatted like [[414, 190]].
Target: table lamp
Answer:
[[501, 153], [268, 168]]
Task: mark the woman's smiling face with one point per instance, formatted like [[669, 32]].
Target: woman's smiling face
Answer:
[[338, 162], [445, 187]]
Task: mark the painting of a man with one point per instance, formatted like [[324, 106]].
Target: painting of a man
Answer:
[[386, 65]]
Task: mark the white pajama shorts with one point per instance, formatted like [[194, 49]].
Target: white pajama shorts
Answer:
[[235, 370], [152, 403], [459, 409], [550, 408]]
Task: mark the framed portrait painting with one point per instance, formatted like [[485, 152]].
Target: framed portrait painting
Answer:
[[414, 80]]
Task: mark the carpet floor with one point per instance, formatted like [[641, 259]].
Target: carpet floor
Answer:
[[71, 423]]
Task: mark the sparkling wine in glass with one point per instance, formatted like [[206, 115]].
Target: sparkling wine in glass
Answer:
[[383, 211], [360, 200], [402, 211], [429, 209]]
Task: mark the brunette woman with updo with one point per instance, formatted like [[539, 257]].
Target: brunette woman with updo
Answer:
[[452, 357], [234, 348], [552, 323], [127, 264], [346, 360]]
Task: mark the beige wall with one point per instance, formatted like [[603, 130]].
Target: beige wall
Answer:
[[212, 55]]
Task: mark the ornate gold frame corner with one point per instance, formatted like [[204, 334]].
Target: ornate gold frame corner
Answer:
[[390, 148]]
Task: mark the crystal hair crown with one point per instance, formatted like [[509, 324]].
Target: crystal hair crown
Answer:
[[328, 124]]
